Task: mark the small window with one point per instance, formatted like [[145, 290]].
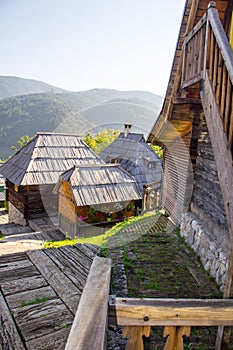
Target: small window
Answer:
[[16, 188], [113, 160]]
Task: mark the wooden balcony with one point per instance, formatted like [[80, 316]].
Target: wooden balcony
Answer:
[[207, 52]]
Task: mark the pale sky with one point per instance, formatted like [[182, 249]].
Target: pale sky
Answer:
[[84, 44]]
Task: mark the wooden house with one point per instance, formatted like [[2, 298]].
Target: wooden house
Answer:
[[195, 128], [133, 154], [95, 194], [32, 173]]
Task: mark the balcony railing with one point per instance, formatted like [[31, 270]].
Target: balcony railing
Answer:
[[207, 51]]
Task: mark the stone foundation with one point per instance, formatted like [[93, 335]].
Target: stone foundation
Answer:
[[15, 215], [214, 254]]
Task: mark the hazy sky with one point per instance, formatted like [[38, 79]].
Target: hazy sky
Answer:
[[83, 44]]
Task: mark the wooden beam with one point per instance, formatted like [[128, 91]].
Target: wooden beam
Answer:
[[135, 337], [221, 151], [175, 337], [171, 312], [89, 326]]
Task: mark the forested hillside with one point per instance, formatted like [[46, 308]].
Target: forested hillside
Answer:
[[74, 112]]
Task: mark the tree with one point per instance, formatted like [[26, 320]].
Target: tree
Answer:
[[158, 150], [102, 140], [22, 142]]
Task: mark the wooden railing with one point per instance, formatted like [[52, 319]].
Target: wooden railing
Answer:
[[194, 52], [207, 51], [176, 315], [89, 327]]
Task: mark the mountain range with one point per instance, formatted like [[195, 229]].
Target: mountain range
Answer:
[[28, 106]]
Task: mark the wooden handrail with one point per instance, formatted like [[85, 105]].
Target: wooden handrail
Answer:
[[208, 51], [177, 315], [89, 327], [221, 38]]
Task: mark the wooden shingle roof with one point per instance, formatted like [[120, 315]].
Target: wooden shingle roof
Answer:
[[135, 156], [46, 157], [98, 184]]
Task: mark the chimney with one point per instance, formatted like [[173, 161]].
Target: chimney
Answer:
[[127, 129]]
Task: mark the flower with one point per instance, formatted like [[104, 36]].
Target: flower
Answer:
[[81, 218]]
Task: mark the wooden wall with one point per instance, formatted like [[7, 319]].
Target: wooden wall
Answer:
[[33, 200], [207, 202], [67, 210], [176, 182], [18, 199], [41, 201]]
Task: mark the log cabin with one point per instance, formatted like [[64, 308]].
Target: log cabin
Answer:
[[95, 194], [33, 171], [131, 151], [195, 128]]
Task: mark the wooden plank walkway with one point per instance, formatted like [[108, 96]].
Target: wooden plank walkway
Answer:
[[18, 238], [39, 294]]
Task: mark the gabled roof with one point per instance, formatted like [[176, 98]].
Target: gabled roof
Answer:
[[135, 156], [46, 157], [99, 184]]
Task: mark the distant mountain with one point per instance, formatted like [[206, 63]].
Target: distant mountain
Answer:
[[74, 112], [14, 86]]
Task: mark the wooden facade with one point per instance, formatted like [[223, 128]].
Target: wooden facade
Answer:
[[33, 201], [195, 128], [95, 195], [33, 172]]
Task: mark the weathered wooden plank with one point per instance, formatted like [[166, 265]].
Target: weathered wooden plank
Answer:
[[31, 296], [22, 285], [221, 152], [15, 274], [62, 285], [8, 266], [75, 254], [71, 269], [9, 336], [86, 333], [13, 257], [90, 249], [171, 312], [37, 320], [55, 341]]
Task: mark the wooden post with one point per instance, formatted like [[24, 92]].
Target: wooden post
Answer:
[[175, 337], [134, 335], [89, 326]]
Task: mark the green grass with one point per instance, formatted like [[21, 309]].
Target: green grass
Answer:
[[1, 236], [34, 302], [100, 240]]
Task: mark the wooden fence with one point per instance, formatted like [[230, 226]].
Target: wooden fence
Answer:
[[176, 315]]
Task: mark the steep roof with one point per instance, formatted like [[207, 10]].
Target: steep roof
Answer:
[[135, 156], [47, 156], [99, 184]]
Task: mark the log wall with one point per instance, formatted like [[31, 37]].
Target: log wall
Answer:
[[34, 200], [207, 202]]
